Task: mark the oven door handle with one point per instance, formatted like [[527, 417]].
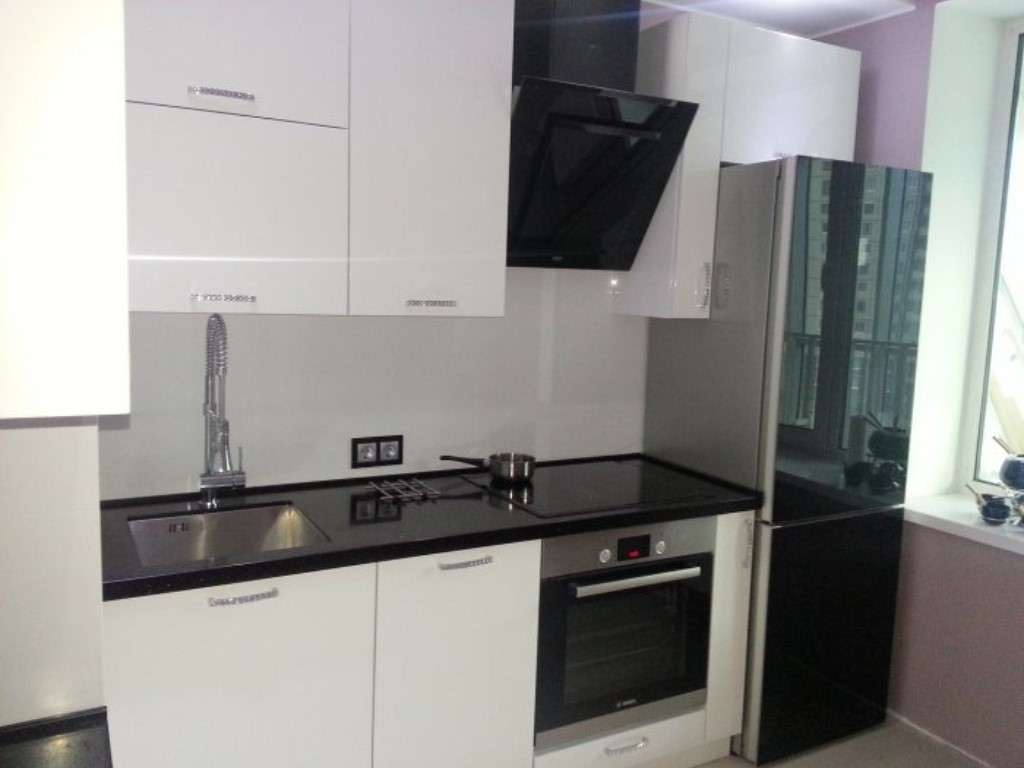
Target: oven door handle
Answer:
[[621, 585]]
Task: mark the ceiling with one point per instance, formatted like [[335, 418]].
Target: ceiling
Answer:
[[807, 18]]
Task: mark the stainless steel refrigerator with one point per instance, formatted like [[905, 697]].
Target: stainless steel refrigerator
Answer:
[[801, 384]]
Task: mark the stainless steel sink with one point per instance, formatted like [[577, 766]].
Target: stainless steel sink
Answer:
[[192, 536]]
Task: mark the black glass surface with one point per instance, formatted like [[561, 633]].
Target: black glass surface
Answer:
[[592, 42], [564, 490], [853, 312], [361, 527], [78, 741], [602, 654], [587, 169], [830, 622]]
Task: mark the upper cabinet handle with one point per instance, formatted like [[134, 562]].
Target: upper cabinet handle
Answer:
[[466, 564], [206, 90]]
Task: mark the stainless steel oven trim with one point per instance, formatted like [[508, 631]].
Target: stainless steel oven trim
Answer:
[[608, 725], [579, 553], [636, 582]]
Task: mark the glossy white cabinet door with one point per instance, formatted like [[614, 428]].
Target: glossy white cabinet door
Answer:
[[788, 96], [456, 659], [290, 56], [684, 58], [655, 745], [63, 253], [431, 110], [730, 616], [285, 679], [235, 214]]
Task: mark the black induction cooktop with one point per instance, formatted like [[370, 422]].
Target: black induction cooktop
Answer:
[[564, 490]]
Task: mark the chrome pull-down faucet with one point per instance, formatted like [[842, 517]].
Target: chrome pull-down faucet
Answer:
[[219, 471]]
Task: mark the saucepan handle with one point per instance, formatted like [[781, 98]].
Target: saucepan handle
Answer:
[[482, 463]]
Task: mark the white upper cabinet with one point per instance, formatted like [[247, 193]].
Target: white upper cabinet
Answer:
[[285, 59], [63, 254], [261, 674], [235, 214], [431, 111], [457, 658], [684, 58], [788, 96], [762, 95]]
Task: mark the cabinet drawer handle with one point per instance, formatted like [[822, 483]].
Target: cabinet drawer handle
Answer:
[[466, 564], [221, 602], [704, 291], [206, 90], [628, 749]]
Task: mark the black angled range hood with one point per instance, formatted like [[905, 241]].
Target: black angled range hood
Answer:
[[589, 158]]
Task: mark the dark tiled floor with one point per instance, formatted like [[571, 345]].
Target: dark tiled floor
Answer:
[[77, 742]]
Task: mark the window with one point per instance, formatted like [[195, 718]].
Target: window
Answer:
[[1003, 408]]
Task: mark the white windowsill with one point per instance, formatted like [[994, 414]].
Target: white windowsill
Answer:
[[956, 514]]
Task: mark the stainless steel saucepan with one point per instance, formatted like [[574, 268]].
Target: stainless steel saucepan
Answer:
[[509, 468]]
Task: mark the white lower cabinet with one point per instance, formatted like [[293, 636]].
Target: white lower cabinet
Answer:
[[456, 659], [261, 674], [730, 617], [651, 744]]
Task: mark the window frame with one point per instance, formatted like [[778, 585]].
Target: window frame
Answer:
[[993, 212]]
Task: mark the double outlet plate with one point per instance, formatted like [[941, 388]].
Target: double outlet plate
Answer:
[[382, 451]]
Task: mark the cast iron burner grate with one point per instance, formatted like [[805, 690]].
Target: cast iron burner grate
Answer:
[[404, 490]]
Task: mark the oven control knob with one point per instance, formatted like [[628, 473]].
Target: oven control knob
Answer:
[[605, 556], [660, 548]]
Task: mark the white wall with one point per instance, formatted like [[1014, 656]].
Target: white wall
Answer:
[[50, 593], [958, 130], [560, 375]]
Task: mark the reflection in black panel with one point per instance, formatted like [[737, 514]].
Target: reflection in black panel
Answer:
[[588, 166], [853, 311], [831, 615]]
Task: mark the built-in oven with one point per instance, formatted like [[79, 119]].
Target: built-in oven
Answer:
[[624, 623]]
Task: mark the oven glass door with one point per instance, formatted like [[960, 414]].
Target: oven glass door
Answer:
[[614, 640]]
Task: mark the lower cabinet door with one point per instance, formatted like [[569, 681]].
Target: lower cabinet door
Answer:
[[261, 674], [456, 659]]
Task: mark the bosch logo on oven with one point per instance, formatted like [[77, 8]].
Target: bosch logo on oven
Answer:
[[625, 703]]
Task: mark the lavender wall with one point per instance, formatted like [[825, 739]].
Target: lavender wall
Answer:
[[957, 670], [894, 85]]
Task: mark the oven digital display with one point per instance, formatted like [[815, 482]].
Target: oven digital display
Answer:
[[634, 548]]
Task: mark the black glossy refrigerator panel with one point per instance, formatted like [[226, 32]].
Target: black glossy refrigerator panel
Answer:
[[830, 619], [854, 283]]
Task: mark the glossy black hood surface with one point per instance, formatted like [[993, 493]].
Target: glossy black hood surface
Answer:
[[588, 166]]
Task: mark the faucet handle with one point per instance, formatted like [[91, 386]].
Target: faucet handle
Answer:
[[241, 468]]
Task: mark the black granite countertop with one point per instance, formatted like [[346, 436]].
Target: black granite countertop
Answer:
[[466, 516], [77, 741]]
